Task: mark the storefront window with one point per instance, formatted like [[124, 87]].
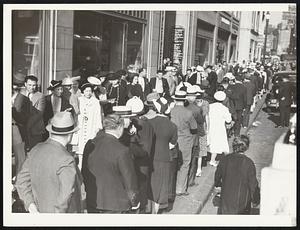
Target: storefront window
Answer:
[[104, 43], [202, 51], [221, 51], [26, 42]]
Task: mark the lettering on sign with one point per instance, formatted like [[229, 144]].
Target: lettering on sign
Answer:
[[178, 45]]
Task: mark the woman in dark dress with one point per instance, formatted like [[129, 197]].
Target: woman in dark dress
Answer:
[[134, 88], [236, 175], [166, 138]]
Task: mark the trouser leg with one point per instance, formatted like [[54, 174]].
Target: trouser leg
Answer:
[[182, 175], [246, 116], [282, 115], [237, 125], [287, 112], [172, 177], [18, 148], [193, 170]]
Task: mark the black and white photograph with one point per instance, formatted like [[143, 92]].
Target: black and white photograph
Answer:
[[150, 114]]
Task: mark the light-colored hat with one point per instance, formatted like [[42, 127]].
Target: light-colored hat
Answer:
[[151, 97], [198, 89], [62, 123], [191, 91], [269, 64], [220, 96], [230, 76], [199, 68], [123, 111], [169, 68], [179, 95], [136, 105], [67, 81], [94, 80]]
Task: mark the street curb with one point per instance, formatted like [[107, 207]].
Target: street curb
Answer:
[[255, 113]]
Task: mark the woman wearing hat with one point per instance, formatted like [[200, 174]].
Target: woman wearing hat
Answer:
[[89, 118], [236, 175], [166, 138], [134, 88], [56, 102], [217, 136]]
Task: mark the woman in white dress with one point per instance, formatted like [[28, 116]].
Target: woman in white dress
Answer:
[[89, 118], [217, 136]]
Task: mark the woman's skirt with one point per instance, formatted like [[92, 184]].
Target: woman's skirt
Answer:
[[160, 183]]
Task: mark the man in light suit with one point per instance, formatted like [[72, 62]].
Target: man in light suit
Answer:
[[35, 126], [50, 181]]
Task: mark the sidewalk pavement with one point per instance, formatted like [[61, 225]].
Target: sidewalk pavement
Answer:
[[199, 194]]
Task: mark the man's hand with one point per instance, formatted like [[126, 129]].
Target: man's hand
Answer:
[[32, 208], [136, 207]]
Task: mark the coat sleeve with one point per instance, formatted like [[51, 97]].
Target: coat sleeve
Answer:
[[252, 181], [23, 184], [66, 177], [126, 167], [219, 172]]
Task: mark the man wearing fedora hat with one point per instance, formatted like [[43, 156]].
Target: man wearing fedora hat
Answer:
[[108, 170], [56, 102], [20, 115], [187, 128], [49, 181]]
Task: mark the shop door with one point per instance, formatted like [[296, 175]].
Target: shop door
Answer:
[[118, 45]]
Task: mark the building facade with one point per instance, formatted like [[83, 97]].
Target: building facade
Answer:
[[51, 44], [252, 25]]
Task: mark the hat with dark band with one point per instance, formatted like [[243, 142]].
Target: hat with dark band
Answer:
[[61, 124], [93, 80], [161, 105], [179, 96], [54, 84], [123, 111]]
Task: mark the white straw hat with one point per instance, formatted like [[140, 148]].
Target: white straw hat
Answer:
[[220, 96], [62, 123]]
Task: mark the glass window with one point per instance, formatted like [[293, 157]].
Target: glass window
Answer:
[[104, 43], [202, 51], [26, 42]]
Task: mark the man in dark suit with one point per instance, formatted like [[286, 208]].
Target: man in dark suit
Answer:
[[160, 85], [212, 79], [250, 92], [196, 78], [239, 99], [108, 171], [117, 89], [36, 126], [285, 95], [20, 116]]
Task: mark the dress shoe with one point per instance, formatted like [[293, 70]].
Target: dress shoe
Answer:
[[215, 164]]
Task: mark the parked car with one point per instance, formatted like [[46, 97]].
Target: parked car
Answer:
[[272, 101]]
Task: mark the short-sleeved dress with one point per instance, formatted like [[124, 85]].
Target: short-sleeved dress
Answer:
[[165, 133], [201, 131]]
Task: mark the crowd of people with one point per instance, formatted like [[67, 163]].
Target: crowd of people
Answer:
[[128, 143]]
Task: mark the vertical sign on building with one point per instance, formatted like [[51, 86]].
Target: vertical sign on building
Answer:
[[161, 39], [178, 45]]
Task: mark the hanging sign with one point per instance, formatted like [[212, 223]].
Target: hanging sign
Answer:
[[178, 45]]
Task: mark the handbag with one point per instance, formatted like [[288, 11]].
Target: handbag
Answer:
[[217, 200]]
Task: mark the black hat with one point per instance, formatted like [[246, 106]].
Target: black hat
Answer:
[[113, 76], [86, 85], [208, 66], [54, 84], [121, 72]]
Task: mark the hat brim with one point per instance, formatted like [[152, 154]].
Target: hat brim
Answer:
[[178, 98], [50, 130]]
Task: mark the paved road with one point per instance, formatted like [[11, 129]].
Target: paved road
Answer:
[[262, 140]]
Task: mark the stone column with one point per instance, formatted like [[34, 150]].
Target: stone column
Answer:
[[63, 42], [228, 48], [214, 45]]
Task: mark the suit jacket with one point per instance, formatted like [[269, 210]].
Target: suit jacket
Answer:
[[193, 79], [36, 124], [250, 92], [286, 92], [48, 113], [50, 179], [21, 113], [109, 174], [239, 96], [165, 83]]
